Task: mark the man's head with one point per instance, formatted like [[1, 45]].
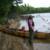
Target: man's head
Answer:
[[30, 17]]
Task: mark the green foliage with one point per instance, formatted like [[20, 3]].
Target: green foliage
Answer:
[[5, 6], [28, 9], [7, 9]]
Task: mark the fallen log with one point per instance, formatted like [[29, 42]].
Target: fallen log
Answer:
[[14, 32]]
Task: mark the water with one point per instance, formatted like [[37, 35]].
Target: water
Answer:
[[41, 20], [41, 46]]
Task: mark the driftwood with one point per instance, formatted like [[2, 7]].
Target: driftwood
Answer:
[[10, 41], [14, 32], [23, 34]]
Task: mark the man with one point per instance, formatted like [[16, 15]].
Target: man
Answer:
[[31, 29]]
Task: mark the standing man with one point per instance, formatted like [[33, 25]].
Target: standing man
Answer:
[[31, 29]]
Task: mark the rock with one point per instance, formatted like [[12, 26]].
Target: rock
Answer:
[[8, 42]]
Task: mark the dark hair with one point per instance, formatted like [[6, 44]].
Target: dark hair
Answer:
[[30, 17]]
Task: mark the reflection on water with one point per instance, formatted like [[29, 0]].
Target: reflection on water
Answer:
[[41, 46]]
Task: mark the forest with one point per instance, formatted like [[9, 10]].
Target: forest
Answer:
[[7, 9]]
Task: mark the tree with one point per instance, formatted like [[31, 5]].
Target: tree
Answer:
[[5, 8]]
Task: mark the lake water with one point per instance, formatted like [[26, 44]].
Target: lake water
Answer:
[[41, 20], [41, 46]]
